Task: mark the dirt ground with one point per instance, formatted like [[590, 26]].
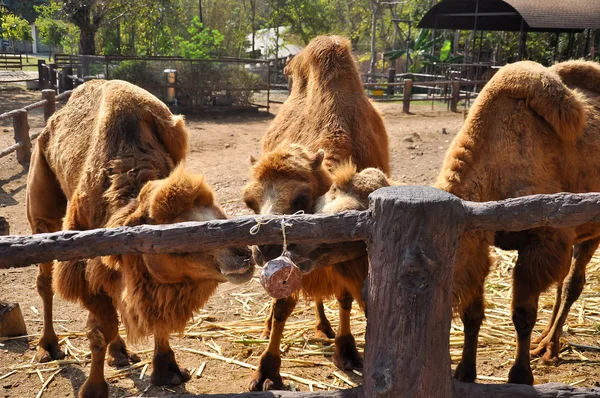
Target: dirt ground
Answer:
[[229, 326]]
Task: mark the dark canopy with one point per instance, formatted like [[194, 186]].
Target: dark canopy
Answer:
[[508, 15]]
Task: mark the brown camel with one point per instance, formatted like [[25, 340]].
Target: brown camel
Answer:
[[532, 130], [112, 157], [326, 121]]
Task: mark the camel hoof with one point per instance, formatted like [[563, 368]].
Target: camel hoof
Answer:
[[96, 390], [49, 352], [170, 377], [346, 355], [466, 374], [324, 332], [518, 375], [267, 377]]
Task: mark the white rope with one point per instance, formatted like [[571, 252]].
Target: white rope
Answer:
[[260, 221]]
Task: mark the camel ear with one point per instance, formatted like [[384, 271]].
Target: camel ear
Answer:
[[318, 159], [252, 160]]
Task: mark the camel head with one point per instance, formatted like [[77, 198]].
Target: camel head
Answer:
[[286, 181], [183, 197], [350, 191]]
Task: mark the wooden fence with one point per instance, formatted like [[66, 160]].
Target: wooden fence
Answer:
[[22, 138], [411, 234], [68, 71], [11, 61]]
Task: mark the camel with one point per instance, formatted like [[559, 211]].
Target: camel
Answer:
[[113, 157], [326, 121], [532, 130]]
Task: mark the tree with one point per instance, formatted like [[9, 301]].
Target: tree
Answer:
[[15, 28], [51, 29], [202, 42]]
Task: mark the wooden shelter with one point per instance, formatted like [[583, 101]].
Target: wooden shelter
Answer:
[[557, 16]]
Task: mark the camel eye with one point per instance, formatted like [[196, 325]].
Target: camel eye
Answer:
[[252, 205], [300, 202]]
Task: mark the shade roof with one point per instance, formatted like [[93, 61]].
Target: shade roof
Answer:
[[506, 15]]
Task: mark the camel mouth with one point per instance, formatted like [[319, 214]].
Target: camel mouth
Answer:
[[240, 275]]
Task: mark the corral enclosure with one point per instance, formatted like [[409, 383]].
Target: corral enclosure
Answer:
[[233, 319], [187, 85]]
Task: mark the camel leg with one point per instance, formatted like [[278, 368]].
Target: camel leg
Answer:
[[346, 355], [46, 207], [472, 316], [545, 260], [555, 308], [119, 355], [549, 346], [267, 376], [268, 322], [165, 370], [323, 329], [103, 326]]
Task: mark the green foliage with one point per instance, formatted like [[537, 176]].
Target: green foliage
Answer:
[[201, 43], [15, 28], [134, 71], [54, 31], [237, 76]]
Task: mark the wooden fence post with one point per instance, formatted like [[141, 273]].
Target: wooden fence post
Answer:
[[408, 336], [21, 127], [67, 81], [50, 106], [53, 77], [407, 93], [391, 79], [455, 96], [42, 73]]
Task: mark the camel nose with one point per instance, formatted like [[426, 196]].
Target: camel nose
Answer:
[[270, 252]]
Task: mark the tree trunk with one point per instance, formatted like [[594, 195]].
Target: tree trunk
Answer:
[[87, 44], [374, 12]]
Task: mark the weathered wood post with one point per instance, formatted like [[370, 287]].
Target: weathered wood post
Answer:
[[42, 73], [11, 319], [50, 106], [21, 131], [53, 76], [410, 285], [67, 72], [455, 96], [391, 79], [406, 97]]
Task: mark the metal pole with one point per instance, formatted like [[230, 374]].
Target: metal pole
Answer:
[[522, 40], [556, 46], [200, 11], [587, 43], [475, 31]]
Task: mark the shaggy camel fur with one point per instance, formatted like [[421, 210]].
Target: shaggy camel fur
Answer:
[[532, 130], [326, 121], [109, 158]]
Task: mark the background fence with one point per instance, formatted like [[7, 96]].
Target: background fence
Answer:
[[185, 84]]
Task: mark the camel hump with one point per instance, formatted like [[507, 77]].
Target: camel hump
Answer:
[[544, 93], [580, 74], [126, 106]]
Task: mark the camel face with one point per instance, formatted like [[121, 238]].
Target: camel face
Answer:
[[186, 197], [349, 191], [286, 181]]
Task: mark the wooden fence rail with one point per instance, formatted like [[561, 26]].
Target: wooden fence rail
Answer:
[[22, 138], [411, 234]]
